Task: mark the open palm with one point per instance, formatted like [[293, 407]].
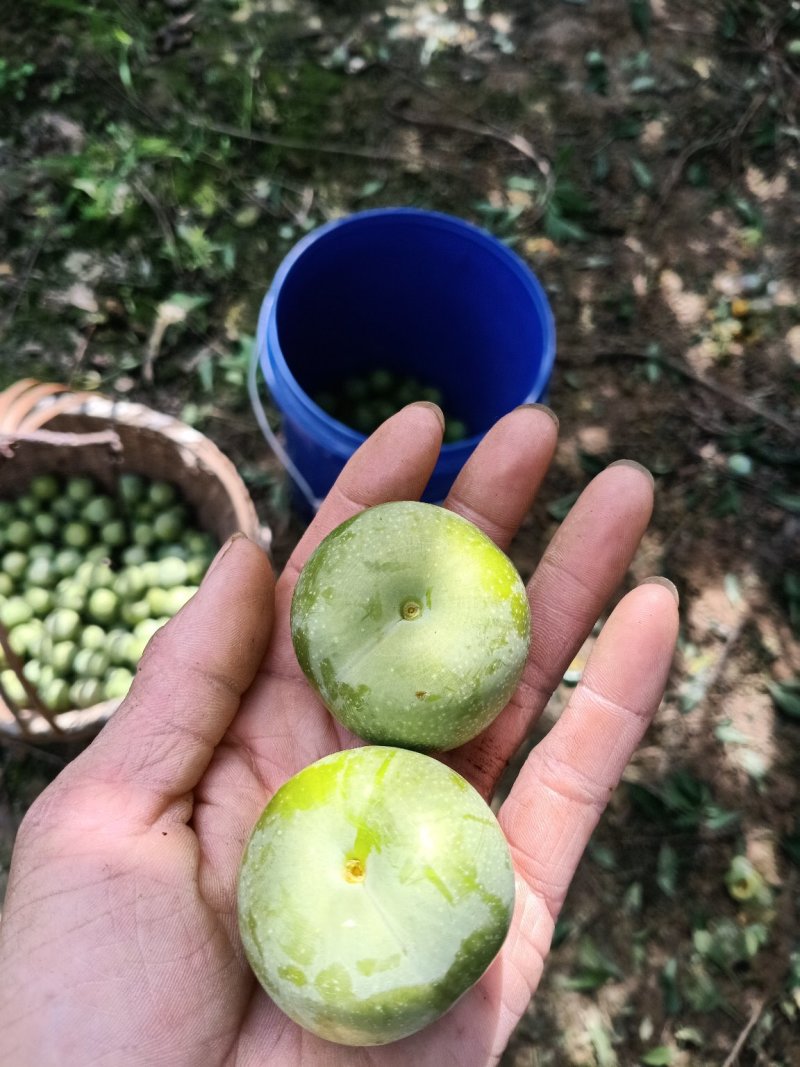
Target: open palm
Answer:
[[119, 942]]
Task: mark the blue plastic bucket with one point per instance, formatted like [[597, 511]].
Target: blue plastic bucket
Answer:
[[418, 293]]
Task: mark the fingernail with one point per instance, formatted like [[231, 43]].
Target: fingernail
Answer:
[[667, 584], [541, 407], [220, 556], [636, 466], [434, 408]]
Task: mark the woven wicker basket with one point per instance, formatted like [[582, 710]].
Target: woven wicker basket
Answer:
[[46, 428]]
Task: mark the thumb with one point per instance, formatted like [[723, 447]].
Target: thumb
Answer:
[[189, 683]]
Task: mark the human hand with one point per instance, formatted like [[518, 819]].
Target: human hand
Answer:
[[119, 943]]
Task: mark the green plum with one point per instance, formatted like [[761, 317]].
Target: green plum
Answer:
[[85, 692], [70, 593], [67, 562], [156, 600], [40, 600], [41, 550], [23, 637], [14, 564], [13, 688], [77, 535], [93, 637], [117, 683], [114, 534], [134, 555], [103, 605], [412, 626], [168, 526], [80, 489], [196, 568], [99, 510], [172, 572], [162, 494], [45, 524], [19, 533], [375, 890], [15, 610], [146, 628], [45, 487], [41, 572], [56, 695], [134, 611], [62, 656], [143, 534], [132, 488], [63, 624]]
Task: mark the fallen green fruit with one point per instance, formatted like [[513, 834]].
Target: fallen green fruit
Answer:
[[69, 575], [412, 626], [376, 888]]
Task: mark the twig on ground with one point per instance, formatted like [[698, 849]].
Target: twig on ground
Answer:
[[713, 387], [478, 128], [731, 640], [164, 224], [755, 1015], [730, 136], [293, 144], [81, 350]]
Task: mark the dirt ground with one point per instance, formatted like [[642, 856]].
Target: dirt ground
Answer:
[[643, 159]]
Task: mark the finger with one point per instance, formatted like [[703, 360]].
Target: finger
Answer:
[[567, 780], [582, 567], [498, 484], [395, 463], [188, 685]]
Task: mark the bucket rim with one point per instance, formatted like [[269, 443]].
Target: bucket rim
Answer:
[[468, 229], [280, 380]]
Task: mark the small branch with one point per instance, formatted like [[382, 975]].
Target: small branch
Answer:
[[725, 137], [81, 350], [164, 224], [16, 665], [713, 387], [755, 1015], [731, 640], [479, 129], [291, 143]]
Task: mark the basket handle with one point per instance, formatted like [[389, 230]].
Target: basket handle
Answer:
[[271, 438], [21, 398], [8, 441], [16, 665]]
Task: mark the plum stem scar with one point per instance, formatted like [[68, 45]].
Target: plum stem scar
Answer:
[[354, 871], [412, 609]]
